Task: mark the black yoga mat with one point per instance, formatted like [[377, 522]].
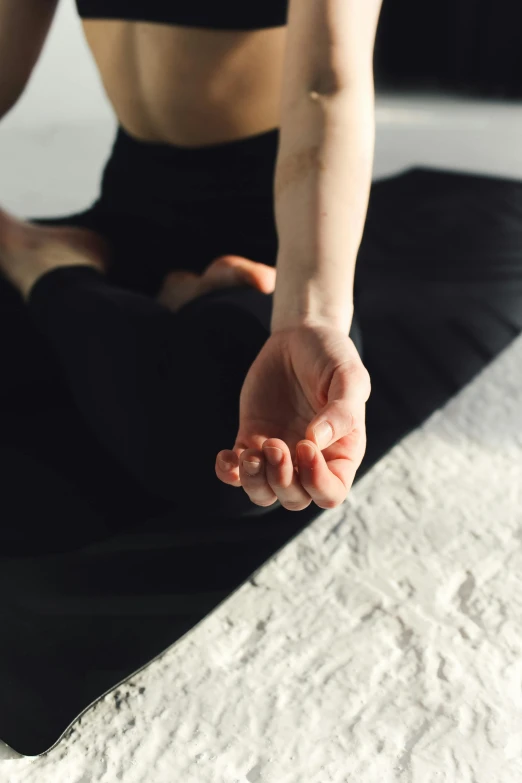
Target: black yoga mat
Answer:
[[438, 294]]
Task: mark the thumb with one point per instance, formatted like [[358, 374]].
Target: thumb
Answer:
[[334, 421], [349, 390]]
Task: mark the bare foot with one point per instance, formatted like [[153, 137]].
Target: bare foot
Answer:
[[180, 286], [28, 251]]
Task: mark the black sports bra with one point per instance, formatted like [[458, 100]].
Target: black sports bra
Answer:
[[213, 14]]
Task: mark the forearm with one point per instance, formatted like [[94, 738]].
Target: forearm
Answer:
[[321, 190], [324, 163]]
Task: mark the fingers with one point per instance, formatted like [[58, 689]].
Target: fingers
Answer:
[[266, 475], [329, 480], [349, 391], [246, 468], [253, 478], [227, 467], [325, 488], [282, 477], [179, 287], [340, 427]]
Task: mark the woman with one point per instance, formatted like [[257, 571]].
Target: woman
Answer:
[[245, 143]]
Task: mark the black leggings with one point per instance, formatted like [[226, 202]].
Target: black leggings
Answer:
[[157, 391], [160, 390], [128, 403]]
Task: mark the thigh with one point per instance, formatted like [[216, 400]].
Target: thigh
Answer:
[[28, 366]]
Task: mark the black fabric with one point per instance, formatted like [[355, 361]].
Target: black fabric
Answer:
[[105, 558], [225, 14]]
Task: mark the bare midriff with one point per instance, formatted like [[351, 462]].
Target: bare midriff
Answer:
[[189, 86]]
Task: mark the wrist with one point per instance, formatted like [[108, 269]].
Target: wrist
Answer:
[[288, 319], [306, 306]]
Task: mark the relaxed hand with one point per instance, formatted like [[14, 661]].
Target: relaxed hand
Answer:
[[302, 433]]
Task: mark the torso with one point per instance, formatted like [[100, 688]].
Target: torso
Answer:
[[189, 86]]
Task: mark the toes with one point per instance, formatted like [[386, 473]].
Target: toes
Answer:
[[264, 278], [178, 288], [179, 276], [221, 273], [234, 270]]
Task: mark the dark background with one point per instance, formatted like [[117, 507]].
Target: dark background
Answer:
[[469, 46]]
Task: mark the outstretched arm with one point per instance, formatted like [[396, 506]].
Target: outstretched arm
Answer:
[[302, 430]]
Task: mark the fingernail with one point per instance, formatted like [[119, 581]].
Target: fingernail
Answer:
[[273, 454], [306, 453], [252, 468], [224, 464], [323, 434]]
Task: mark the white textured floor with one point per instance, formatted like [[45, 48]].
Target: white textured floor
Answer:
[[382, 644]]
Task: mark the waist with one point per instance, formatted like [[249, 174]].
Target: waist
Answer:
[[140, 172], [224, 189]]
